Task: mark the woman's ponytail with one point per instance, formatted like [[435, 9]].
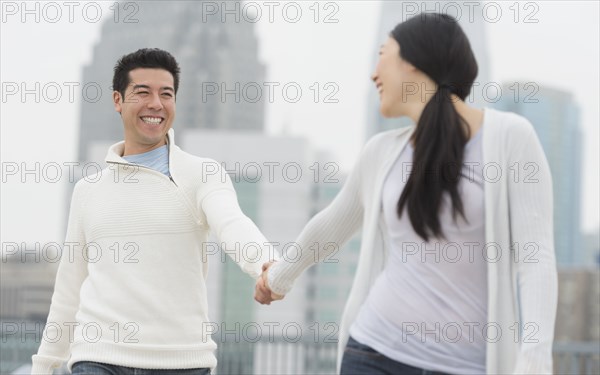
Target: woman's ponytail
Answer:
[[436, 45]]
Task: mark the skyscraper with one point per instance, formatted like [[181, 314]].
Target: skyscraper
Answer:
[[217, 51], [273, 183], [217, 59], [556, 119]]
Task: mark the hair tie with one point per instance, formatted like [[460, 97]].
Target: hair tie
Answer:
[[445, 86]]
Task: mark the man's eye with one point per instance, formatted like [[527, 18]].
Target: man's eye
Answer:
[[167, 94], [142, 92]]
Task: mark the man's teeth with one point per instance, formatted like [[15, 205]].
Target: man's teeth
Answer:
[[152, 120]]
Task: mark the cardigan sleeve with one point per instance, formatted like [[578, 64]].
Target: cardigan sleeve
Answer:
[[239, 237], [72, 270], [532, 241], [324, 234]]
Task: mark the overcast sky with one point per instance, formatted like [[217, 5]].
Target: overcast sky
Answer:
[[560, 51]]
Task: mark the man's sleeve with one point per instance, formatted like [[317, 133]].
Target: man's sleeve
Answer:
[[242, 239], [72, 271]]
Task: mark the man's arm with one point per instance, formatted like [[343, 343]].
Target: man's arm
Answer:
[[72, 271], [234, 229]]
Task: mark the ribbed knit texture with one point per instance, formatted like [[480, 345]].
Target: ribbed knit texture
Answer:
[[522, 285], [133, 284]]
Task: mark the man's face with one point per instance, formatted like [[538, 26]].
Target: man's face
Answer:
[[148, 109]]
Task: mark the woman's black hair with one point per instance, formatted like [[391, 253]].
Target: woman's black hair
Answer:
[[436, 45]]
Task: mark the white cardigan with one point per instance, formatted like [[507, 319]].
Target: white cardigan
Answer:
[[522, 277]]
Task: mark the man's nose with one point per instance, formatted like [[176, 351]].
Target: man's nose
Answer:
[[154, 102]]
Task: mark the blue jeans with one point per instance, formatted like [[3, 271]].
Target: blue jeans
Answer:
[[362, 359], [96, 368]]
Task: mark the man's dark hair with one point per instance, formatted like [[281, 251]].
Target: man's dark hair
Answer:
[[144, 58]]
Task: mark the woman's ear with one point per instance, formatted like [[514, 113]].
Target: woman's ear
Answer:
[[410, 67]]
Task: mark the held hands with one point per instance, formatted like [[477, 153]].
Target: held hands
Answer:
[[262, 293]]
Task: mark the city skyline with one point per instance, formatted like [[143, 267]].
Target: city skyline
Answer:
[[237, 61], [327, 125], [336, 127]]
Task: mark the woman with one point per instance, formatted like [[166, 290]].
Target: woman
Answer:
[[456, 272]]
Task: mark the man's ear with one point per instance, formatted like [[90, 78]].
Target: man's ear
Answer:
[[117, 101]]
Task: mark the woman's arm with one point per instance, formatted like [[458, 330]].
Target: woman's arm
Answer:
[[532, 236], [324, 234]]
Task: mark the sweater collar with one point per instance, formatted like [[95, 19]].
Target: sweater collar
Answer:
[[115, 151]]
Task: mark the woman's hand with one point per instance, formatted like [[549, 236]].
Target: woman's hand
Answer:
[[262, 292]]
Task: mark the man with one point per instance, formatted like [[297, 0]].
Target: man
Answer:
[[130, 290]]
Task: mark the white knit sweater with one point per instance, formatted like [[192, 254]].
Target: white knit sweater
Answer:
[[522, 278], [131, 284]]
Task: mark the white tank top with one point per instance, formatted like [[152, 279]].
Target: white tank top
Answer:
[[428, 308]]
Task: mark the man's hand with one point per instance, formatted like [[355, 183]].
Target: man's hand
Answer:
[[262, 293]]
